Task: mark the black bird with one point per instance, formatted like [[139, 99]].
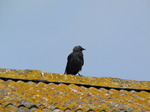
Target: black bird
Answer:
[[75, 61]]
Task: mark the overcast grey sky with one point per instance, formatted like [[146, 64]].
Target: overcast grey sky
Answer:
[[40, 34]]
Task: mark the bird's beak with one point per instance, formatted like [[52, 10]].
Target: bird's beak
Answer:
[[83, 49]]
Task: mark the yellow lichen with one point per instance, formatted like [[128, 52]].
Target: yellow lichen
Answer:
[[103, 81], [71, 96]]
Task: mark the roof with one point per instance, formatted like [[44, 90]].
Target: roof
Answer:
[[36, 91]]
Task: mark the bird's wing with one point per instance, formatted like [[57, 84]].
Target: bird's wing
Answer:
[[68, 63]]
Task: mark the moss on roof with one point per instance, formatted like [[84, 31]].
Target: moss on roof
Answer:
[[99, 81], [24, 96]]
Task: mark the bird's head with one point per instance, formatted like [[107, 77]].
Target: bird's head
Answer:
[[78, 49]]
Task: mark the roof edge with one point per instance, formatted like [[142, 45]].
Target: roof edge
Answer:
[[98, 82]]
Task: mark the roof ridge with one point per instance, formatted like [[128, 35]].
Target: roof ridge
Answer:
[[98, 82]]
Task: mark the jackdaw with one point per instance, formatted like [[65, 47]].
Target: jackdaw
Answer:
[[75, 61]]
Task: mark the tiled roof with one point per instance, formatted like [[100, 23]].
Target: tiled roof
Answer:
[[36, 91]]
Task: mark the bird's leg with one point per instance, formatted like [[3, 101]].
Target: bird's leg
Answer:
[[79, 74]]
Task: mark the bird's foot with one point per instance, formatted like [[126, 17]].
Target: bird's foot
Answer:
[[79, 74]]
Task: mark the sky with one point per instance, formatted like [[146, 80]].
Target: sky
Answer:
[[40, 34]]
